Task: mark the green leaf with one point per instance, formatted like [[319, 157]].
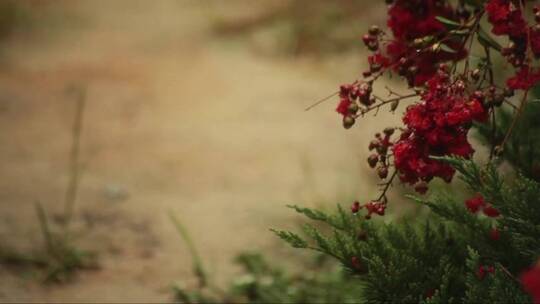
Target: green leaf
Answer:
[[462, 32], [293, 239], [449, 23], [486, 40], [447, 49]]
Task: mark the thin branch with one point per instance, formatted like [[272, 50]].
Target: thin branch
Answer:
[[321, 101], [71, 191], [387, 186]]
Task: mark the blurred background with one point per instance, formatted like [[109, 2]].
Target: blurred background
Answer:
[[193, 108]]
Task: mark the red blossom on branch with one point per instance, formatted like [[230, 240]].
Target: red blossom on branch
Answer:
[[530, 280], [427, 46]]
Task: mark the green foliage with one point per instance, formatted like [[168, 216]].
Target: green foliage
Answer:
[[319, 283], [322, 281], [59, 259], [437, 259]]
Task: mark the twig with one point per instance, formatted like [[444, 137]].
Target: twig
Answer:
[[198, 267], [321, 101], [71, 191], [44, 224], [387, 186], [508, 273], [377, 106]]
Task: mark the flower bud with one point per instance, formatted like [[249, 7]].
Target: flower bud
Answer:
[[478, 95], [508, 92], [389, 131], [367, 39], [494, 234], [421, 187], [475, 74], [352, 108], [498, 100], [373, 144], [355, 207], [394, 105], [374, 30], [373, 159], [375, 67], [348, 121], [418, 43], [382, 172], [373, 46]]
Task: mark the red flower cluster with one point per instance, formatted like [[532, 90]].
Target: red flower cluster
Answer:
[[524, 79], [355, 262], [371, 207], [414, 26], [531, 282], [494, 234], [438, 125], [506, 16], [349, 95], [425, 35], [483, 270], [478, 203]]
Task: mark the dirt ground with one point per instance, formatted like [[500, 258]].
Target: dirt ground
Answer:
[[177, 120]]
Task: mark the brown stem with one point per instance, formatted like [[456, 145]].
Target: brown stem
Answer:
[[387, 186], [377, 106]]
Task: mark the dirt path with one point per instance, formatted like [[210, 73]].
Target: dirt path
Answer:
[[178, 121]]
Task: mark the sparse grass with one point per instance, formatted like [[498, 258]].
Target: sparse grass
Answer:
[[321, 281], [59, 258]]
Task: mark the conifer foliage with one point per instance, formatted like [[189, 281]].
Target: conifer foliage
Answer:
[[482, 249]]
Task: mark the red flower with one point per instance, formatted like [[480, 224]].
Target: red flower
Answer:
[[375, 207], [483, 270], [475, 204], [355, 207], [355, 262], [530, 280], [535, 41], [494, 234], [438, 125], [524, 79], [490, 211], [411, 19], [506, 18], [343, 106]]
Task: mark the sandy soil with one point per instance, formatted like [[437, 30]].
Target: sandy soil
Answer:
[[178, 121]]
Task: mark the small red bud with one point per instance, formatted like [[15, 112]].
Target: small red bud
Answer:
[[421, 187], [374, 144], [490, 211], [479, 95], [382, 172], [373, 159], [355, 262], [366, 38], [494, 234], [389, 131], [355, 207], [481, 272]]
